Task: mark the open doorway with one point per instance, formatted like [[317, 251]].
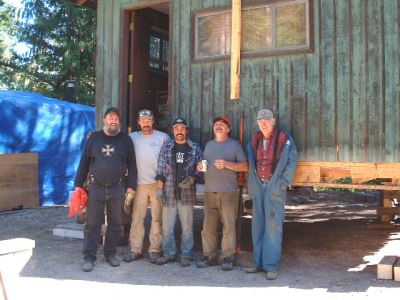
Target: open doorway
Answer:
[[147, 64]]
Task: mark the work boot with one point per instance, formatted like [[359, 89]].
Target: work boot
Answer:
[[164, 260], [206, 262], [185, 261], [271, 275], [87, 265], [154, 257], [132, 256], [227, 264], [113, 260], [252, 270]]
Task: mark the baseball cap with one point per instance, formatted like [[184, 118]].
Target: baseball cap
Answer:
[[180, 121], [265, 114], [112, 110], [224, 119], [145, 113]]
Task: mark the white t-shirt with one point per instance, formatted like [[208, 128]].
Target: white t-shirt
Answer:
[[147, 150]]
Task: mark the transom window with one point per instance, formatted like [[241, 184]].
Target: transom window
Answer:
[[280, 27]]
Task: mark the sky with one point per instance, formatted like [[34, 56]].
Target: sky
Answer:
[[20, 47]]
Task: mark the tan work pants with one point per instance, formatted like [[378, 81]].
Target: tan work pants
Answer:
[[145, 195]]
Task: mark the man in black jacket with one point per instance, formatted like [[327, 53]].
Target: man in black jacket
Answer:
[[107, 158]]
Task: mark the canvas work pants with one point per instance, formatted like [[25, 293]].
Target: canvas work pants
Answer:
[[219, 208], [100, 197], [145, 195]]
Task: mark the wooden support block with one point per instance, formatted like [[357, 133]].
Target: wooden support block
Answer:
[[387, 203], [391, 194], [385, 267], [390, 211], [396, 270]]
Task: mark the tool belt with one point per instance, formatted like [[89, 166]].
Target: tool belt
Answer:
[[92, 179]]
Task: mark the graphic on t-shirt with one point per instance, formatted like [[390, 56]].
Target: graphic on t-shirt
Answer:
[[108, 150], [179, 157]]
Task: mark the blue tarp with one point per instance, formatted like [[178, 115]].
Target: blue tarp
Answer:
[[55, 129]]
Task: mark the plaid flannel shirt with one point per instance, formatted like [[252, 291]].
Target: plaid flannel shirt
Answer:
[[166, 172]]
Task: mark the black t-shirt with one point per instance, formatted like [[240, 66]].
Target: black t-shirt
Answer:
[[182, 152]]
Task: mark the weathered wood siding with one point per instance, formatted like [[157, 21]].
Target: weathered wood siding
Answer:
[[341, 102]]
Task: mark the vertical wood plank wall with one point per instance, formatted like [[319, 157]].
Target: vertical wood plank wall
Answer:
[[341, 102]]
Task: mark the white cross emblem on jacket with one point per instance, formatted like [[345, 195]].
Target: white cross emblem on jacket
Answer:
[[108, 150]]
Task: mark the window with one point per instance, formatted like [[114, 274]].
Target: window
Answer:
[[275, 28], [158, 51]]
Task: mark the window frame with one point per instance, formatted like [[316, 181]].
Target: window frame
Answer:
[[164, 36], [290, 50]]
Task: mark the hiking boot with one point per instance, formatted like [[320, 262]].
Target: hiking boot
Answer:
[[185, 261], [132, 256], [206, 262], [113, 260], [164, 260], [252, 270], [271, 275], [154, 257], [87, 265], [227, 264]]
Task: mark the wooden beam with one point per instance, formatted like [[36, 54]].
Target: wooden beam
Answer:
[[235, 49]]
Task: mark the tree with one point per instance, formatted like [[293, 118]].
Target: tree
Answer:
[[61, 40]]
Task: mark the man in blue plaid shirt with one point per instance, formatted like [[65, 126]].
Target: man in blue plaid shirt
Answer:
[[176, 175]]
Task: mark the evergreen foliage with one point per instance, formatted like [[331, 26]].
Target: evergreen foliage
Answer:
[[61, 38]]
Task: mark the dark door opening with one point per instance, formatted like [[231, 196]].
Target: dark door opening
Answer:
[[147, 64]]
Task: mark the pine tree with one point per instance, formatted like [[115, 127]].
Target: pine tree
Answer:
[[61, 38]]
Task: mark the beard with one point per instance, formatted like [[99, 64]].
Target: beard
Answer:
[[112, 131]]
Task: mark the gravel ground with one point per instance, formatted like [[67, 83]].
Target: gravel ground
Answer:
[[328, 252]]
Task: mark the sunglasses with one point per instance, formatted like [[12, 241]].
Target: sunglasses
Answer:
[[145, 113]]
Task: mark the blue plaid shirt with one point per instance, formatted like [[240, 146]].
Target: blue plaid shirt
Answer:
[[166, 172]]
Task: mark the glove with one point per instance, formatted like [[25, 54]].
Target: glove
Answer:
[[78, 202], [129, 197], [187, 182], [160, 196]]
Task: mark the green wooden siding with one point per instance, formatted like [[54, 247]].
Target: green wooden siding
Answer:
[[341, 102]]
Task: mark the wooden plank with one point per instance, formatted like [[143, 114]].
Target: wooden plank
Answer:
[[19, 180], [391, 79], [313, 86], [391, 195], [358, 63], [396, 270], [385, 267], [390, 211], [342, 64], [235, 49], [373, 100], [16, 245], [328, 97]]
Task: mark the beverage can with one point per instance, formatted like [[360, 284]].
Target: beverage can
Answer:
[[204, 165]]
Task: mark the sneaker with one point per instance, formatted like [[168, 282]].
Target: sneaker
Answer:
[[252, 270], [227, 264], [164, 260], [206, 262], [113, 260], [271, 275], [88, 265], [132, 256], [154, 257], [185, 261]]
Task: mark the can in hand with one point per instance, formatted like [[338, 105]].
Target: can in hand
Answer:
[[204, 165]]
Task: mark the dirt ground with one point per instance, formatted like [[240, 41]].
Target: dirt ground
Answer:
[[328, 252]]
